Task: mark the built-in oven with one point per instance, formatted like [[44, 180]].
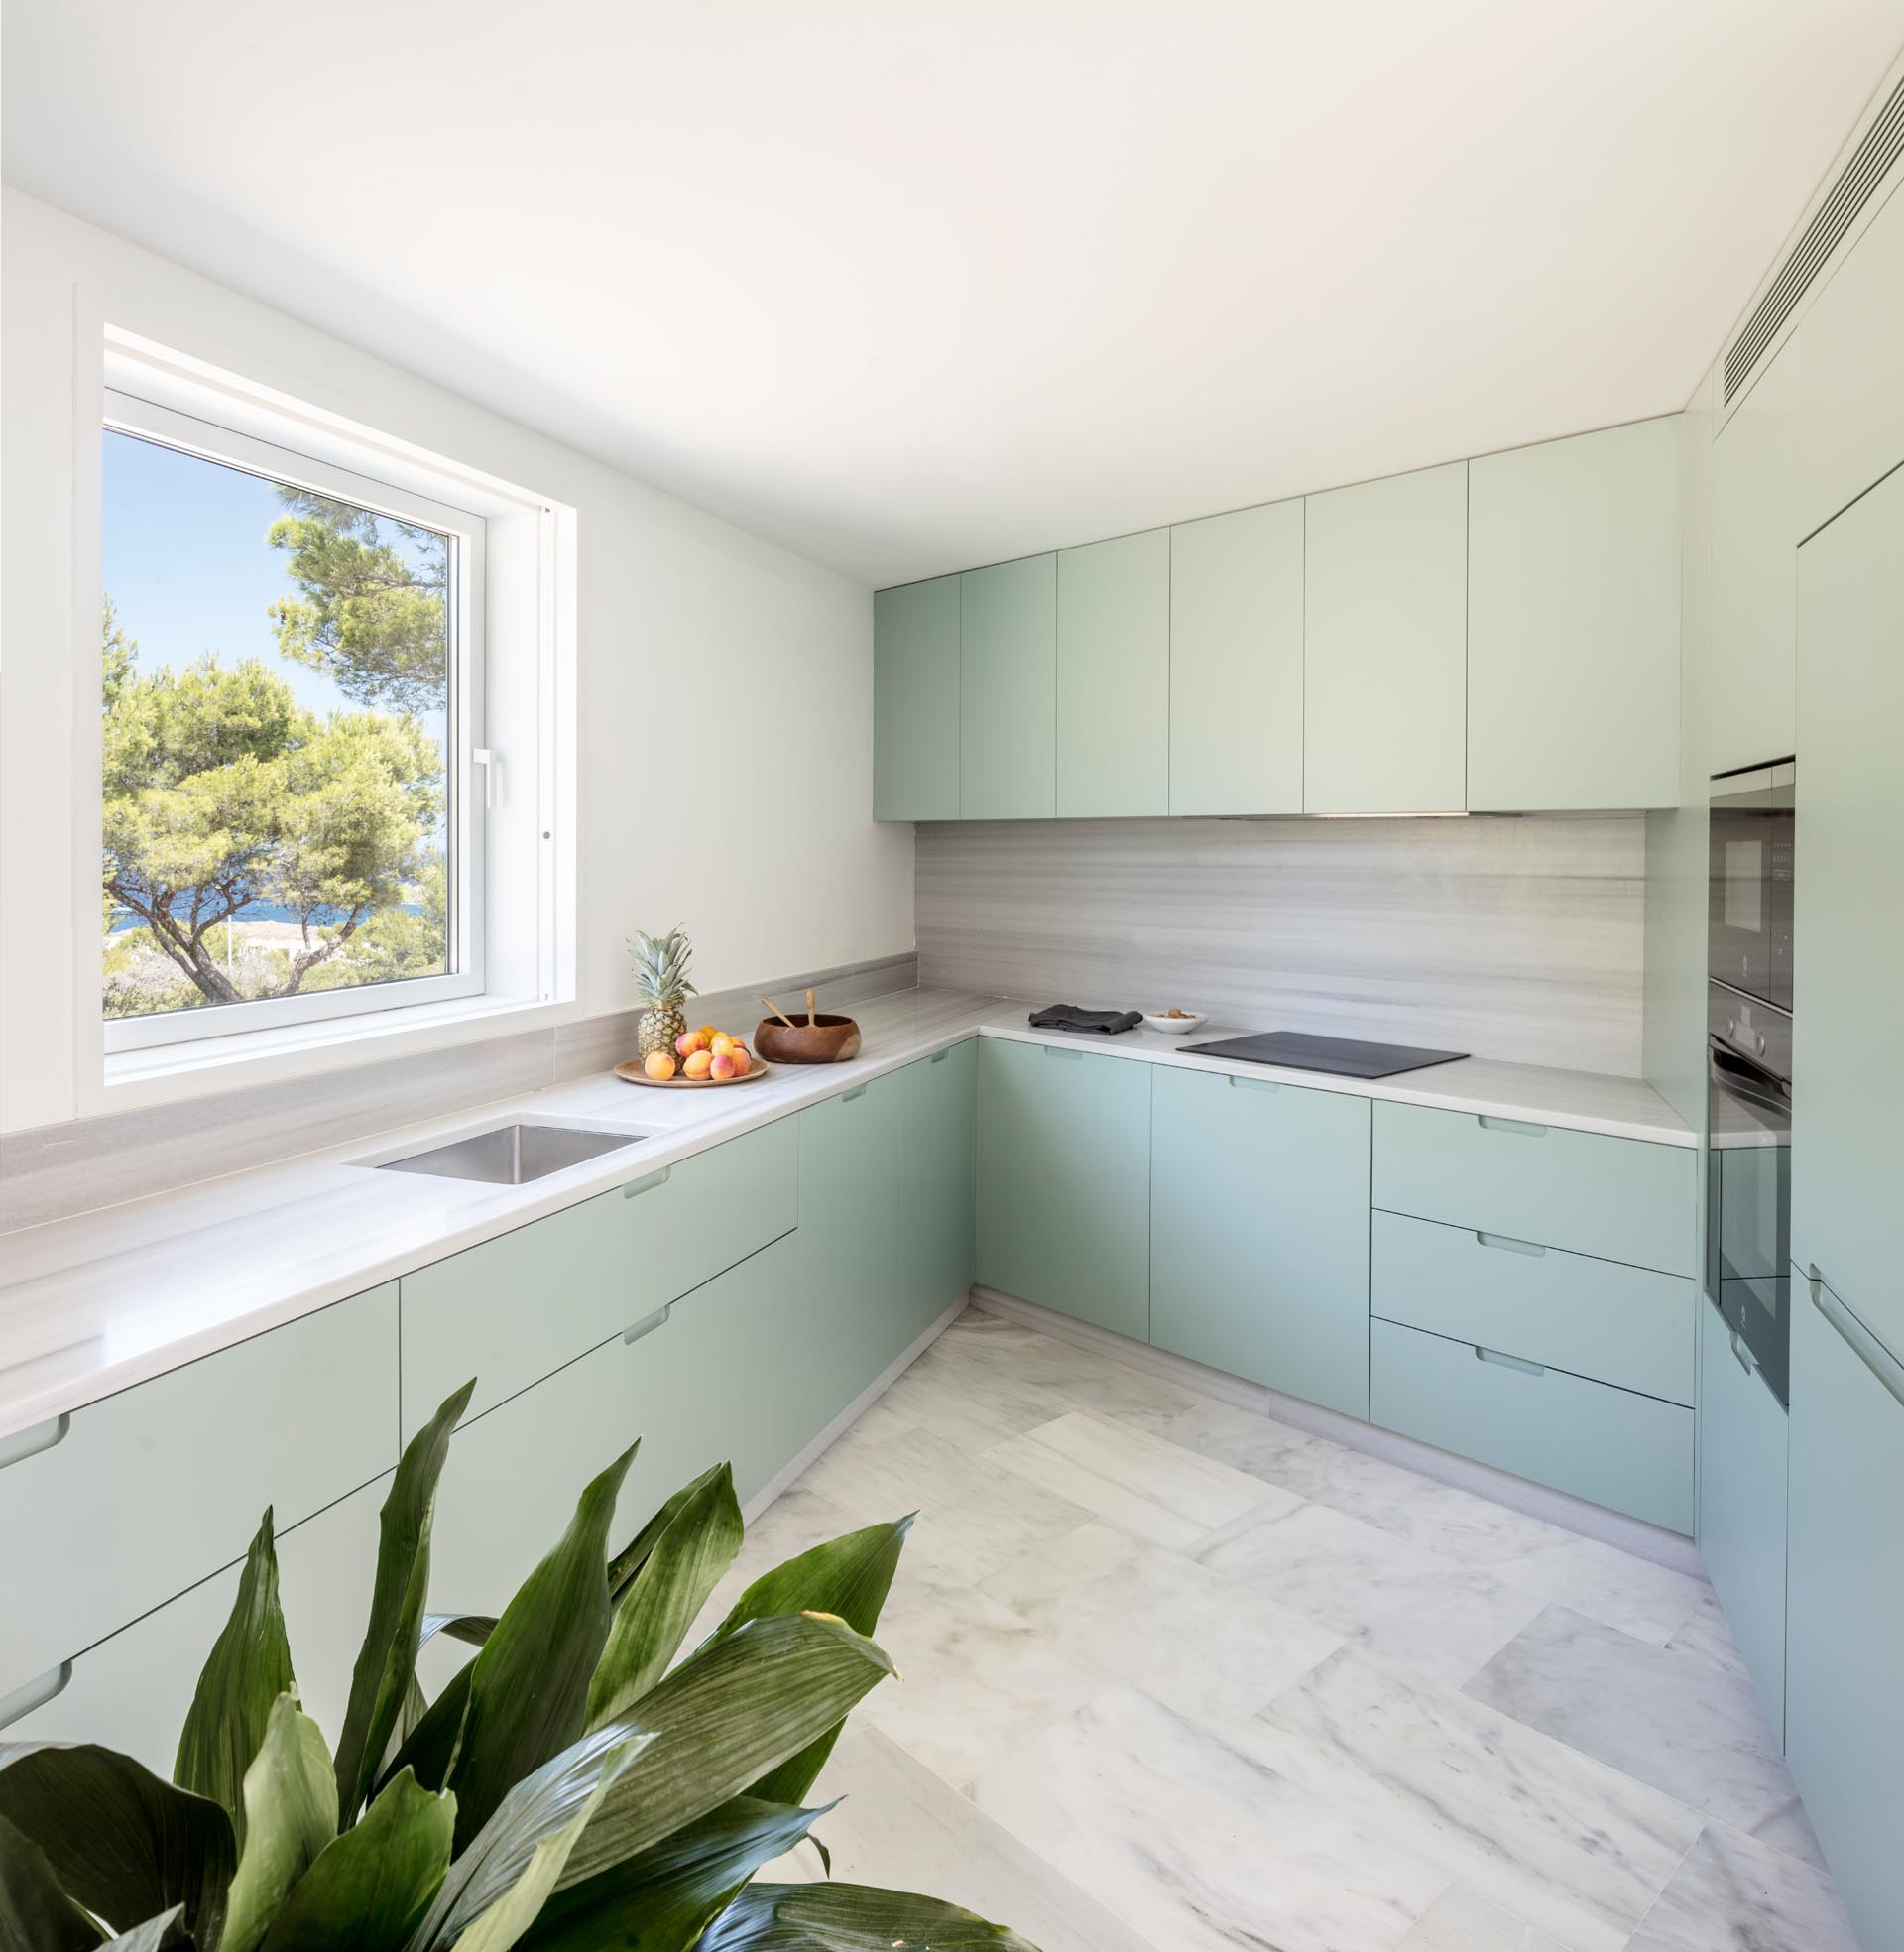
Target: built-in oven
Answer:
[[1748, 1060]]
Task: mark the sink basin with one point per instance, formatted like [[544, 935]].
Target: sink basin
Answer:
[[512, 1154]]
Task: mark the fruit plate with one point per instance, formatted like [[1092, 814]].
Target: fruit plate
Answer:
[[632, 1073]]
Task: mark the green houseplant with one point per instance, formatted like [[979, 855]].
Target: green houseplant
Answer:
[[571, 1790]]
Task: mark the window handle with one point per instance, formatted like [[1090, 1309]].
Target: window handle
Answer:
[[491, 761]]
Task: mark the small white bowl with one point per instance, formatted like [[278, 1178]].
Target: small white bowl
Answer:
[[1175, 1025]]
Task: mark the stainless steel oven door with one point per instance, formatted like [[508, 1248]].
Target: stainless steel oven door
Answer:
[[1749, 913]]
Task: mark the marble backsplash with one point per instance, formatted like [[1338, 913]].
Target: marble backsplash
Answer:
[[1517, 937]]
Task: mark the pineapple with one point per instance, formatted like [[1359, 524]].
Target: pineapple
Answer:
[[660, 981]]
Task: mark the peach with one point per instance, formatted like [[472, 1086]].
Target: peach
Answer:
[[723, 1066], [740, 1061], [658, 1064], [721, 1044], [688, 1043], [698, 1064]]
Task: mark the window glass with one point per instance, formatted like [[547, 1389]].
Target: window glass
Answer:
[[277, 707]]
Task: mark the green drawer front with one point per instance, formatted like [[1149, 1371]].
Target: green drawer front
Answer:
[[1259, 1233], [1601, 1319], [1630, 1452], [517, 1308], [1622, 1199], [1064, 1181], [152, 1490]]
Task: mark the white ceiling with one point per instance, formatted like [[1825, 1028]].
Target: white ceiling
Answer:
[[912, 287]]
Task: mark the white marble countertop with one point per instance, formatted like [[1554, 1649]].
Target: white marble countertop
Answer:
[[95, 1303]]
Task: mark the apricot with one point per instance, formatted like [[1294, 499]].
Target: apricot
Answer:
[[740, 1061], [721, 1044], [723, 1066], [658, 1064], [688, 1043], [698, 1063]]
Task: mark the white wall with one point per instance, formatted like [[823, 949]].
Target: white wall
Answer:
[[754, 831]]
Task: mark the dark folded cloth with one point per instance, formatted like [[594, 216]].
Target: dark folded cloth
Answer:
[[1068, 1017]]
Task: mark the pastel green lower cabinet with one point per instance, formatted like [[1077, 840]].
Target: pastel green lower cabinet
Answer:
[[131, 1692], [513, 1309], [1742, 1445], [1844, 1681], [116, 1509], [1630, 1452], [939, 1109], [1259, 1233], [1601, 1319], [1064, 1181]]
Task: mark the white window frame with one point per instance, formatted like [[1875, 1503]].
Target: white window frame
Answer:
[[465, 817]]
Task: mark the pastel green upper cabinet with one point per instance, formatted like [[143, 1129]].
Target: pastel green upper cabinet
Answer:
[[1573, 623], [1064, 1181], [1384, 660], [1235, 661], [1259, 1233], [1007, 691], [1848, 922], [916, 701], [1114, 676]]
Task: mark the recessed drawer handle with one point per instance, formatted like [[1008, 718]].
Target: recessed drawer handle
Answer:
[[1521, 1126], [847, 1097], [1509, 1361], [36, 1694], [1057, 1050], [1256, 1084], [649, 1325], [1872, 1353], [31, 1441], [1509, 1245], [1741, 1353], [647, 1184], [939, 1057]]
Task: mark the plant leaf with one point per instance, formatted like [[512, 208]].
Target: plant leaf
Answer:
[[164, 1933], [850, 1918], [366, 1890], [848, 1576], [499, 1927], [626, 1563], [686, 1561], [248, 1668], [735, 1709], [473, 1629], [36, 1915], [428, 1752], [661, 1898], [529, 1686], [380, 1682], [291, 1814], [123, 1842]]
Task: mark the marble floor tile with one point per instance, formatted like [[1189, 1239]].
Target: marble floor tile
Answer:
[[1459, 1922], [975, 1679], [1201, 1647], [1236, 1438], [1706, 1637], [1197, 1847], [1667, 1717], [901, 1826], [1618, 1589], [1733, 1894], [1146, 1487], [972, 1516], [1441, 1619], [1550, 1835]]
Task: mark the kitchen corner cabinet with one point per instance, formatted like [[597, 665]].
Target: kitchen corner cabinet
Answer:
[[916, 701], [1114, 677], [1259, 1233], [1742, 1445], [1573, 623], [1007, 691], [939, 1107], [1235, 661], [1384, 657], [1064, 1181]]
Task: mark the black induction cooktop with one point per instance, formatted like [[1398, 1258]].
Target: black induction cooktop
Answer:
[[1344, 1056]]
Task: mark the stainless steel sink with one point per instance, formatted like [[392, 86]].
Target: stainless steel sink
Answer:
[[512, 1154]]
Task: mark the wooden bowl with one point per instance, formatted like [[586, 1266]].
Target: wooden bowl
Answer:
[[825, 1040]]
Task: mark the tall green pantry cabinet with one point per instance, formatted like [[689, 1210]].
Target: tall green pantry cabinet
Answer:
[[1844, 1676]]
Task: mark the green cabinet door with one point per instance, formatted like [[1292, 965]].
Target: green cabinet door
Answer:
[[1259, 1233], [1064, 1171], [1742, 1443], [1114, 676], [939, 1099], [916, 701], [1573, 622], [1386, 648], [1843, 1683], [1235, 661], [1848, 924], [1007, 691]]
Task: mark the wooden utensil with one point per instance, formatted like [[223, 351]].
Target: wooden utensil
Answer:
[[822, 1040], [778, 1012], [809, 1010]]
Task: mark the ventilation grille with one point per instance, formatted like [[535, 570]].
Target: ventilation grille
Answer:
[[1870, 161]]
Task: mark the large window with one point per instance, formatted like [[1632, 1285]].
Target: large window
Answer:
[[293, 696]]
